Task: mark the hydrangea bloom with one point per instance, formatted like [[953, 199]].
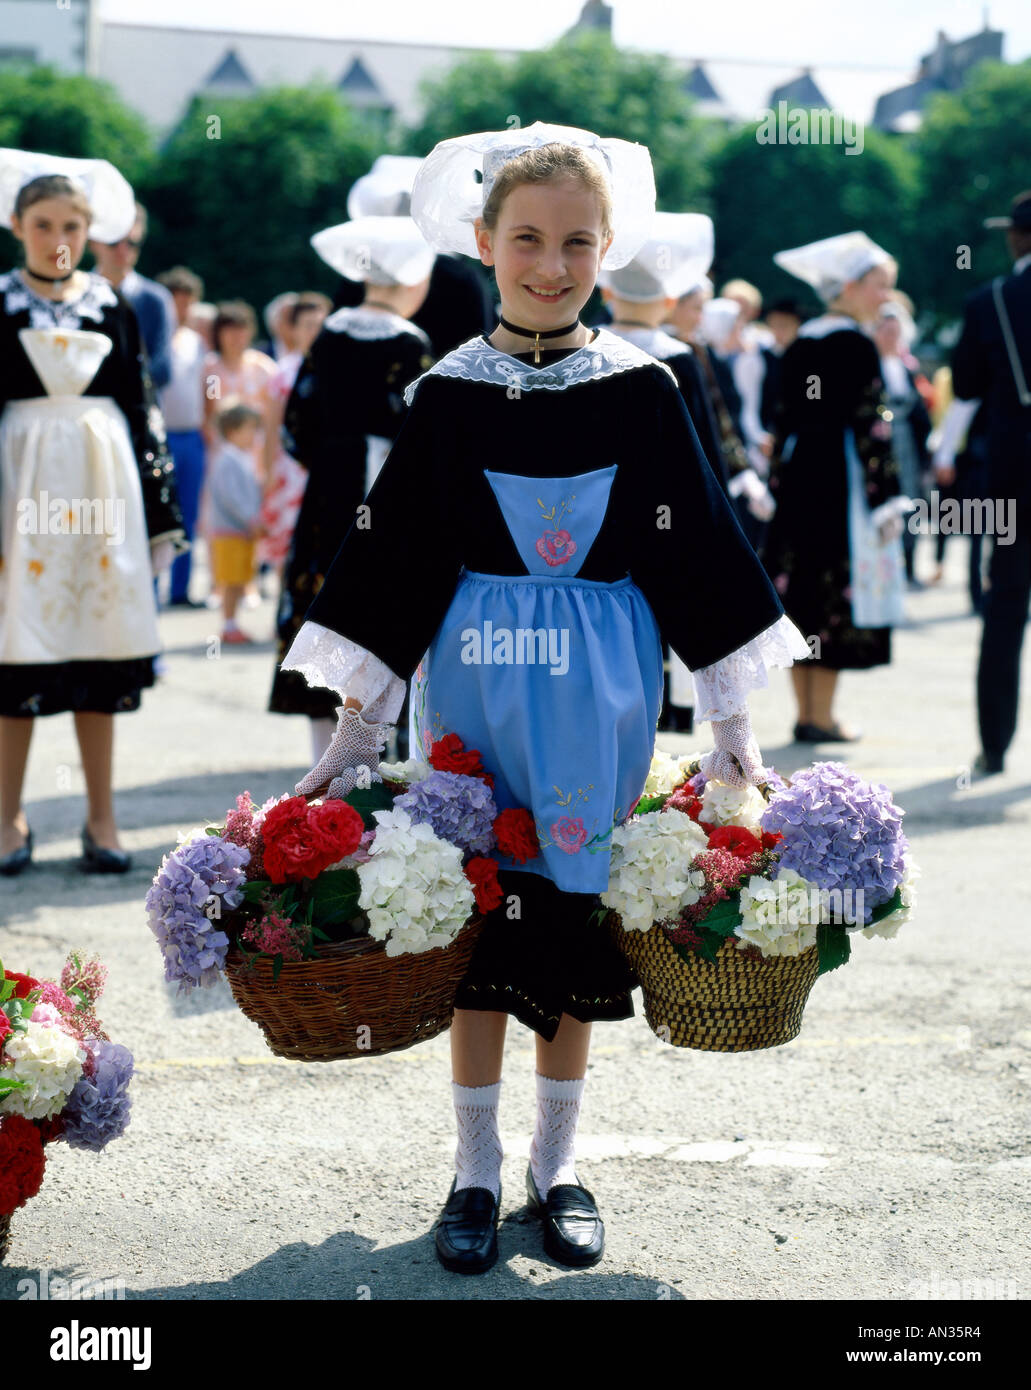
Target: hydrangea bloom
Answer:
[[726, 805], [98, 1107], [457, 807], [667, 772], [50, 1061], [202, 868], [840, 832], [413, 887], [888, 926], [650, 879], [781, 915]]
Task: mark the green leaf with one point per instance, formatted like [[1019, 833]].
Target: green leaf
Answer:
[[648, 804], [334, 897], [277, 965], [6, 989], [885, 909], [365, 800], [833, 946], [257, 887], [724, 917], [9, 1084]]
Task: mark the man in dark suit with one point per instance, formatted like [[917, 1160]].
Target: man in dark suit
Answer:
[[992, 362]]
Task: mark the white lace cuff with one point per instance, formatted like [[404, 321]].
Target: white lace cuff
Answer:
[[325, 658], [721, 689]]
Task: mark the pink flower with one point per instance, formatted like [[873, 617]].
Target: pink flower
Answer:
[[47, 1015], [781, 583], [556, 547], [569, 834]]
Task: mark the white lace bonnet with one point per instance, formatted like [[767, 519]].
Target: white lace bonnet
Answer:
[[672, 261], [719, 316], [377, 250], [386, 190], [110, 197], [448, 196], [829, 265]]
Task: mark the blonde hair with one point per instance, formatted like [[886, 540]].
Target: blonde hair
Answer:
[[743, 289], [549, 164]]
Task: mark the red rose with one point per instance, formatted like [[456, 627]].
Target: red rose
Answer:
[[771, 838], [483, 875], [450, 755], [5, 1027], [334, 829], [288, 852], [741, 842], [26, 984], [22, 1162], [516, 834]]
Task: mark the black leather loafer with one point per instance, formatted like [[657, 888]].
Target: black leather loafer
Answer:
[[102, 861], [573, 1230], [467, 1232], [18, 859], [813, 733]]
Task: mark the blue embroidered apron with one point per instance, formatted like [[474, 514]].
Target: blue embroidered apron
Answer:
[[556, 680]]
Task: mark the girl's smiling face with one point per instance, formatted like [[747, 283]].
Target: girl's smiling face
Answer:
[[546, 251]]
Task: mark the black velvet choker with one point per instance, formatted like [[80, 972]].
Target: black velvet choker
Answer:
[[48, 279], [537, 334]]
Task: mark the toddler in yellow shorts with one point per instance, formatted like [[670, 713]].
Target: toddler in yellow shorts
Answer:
[[235, 492]]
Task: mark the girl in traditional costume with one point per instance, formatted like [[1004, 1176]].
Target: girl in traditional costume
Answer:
[[88, 510], [833, 548], [558, 491]]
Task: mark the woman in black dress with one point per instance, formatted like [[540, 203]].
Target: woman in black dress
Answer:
[[833, 548], [343, 414], [87, 498]]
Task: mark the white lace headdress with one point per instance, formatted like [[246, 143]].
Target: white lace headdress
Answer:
[[830, 264], [457, 176], [386, 190], [718, 319], [110, 197], [672, 261], [377, 250]]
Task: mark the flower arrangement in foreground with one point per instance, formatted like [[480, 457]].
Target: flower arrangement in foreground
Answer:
[[61, 1076], [824, 857], [406, 861]]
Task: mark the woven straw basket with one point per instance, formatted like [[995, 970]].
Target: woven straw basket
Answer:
[[353, 1000], [5, 1236], [740, 1004]]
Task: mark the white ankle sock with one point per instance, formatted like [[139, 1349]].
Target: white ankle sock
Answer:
[[554, 1139], [478, 1156]]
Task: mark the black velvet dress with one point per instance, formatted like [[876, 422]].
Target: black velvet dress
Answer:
[[668, 527], [829, 384]]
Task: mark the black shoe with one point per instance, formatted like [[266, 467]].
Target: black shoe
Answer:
[[573, 1230], [467, 1232], [987, 764], [18, 859], [185, 603], [102, 861], [812, 733]]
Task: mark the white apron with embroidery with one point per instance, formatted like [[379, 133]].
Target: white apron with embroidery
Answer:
[[75, 579]]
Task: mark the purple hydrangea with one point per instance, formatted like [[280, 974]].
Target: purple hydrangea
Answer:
[[98, 1108], [840, 832], [459, 809], [191, 942]]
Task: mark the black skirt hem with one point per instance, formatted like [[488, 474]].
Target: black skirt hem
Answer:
[[36, 690]]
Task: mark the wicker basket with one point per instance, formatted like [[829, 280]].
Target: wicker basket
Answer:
[[740, 1004], [353, 1000], [5, 1236]]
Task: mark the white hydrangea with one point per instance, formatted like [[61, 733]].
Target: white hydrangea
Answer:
[[888, 926], [413, 888], [723, 805], [50, 1061], [650, 876], [411, 770], [667, 773], [780, 915]]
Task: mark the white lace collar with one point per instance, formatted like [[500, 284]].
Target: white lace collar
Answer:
[[828, 323], [50, 313], [367, 324], [655, 341], [479, 360]]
